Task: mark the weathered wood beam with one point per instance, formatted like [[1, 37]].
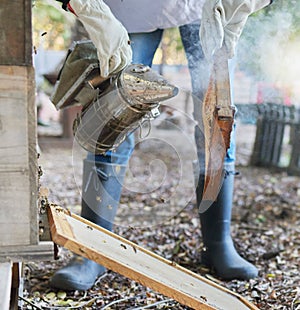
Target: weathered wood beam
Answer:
[[18, 157], [15, 32], [143, 266], [5, 284]]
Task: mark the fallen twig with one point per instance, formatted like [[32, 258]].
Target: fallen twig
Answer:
[[153, 305], [253, 228], [116, 302], [100, 278], [30, 303]]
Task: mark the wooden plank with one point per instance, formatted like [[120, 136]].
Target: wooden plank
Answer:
[[218, 118], [15, 116], [15, 285], [294, 164], [5, 284], [43, 251], [120, 255], [18, 157], [15, 32], [14, 211]]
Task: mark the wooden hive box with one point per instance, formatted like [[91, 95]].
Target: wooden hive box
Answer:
[[19, 227]]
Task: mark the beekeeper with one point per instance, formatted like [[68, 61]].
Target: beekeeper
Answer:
[[126, 31]]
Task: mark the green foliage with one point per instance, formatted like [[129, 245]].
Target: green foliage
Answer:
[[171, 50], [174, 52], [51, 27]]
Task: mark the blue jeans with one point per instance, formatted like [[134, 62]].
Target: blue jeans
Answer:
[[195, 56], [144, 46]]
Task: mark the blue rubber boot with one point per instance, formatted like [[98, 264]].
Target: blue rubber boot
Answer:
[[219, 253], [101, 191]]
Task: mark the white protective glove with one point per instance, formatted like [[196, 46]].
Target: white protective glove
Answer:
[[223, 22], [106, 32]]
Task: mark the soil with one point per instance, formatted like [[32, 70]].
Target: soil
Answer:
[[159, 212]]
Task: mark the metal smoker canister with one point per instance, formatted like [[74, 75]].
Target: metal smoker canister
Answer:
[[130, 98]]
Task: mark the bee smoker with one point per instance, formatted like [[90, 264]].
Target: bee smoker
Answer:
[[111, 108]]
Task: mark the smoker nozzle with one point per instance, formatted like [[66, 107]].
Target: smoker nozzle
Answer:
[[141, 84]]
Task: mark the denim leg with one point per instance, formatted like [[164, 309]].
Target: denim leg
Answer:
[[230, 155], [120, 156], [195, 57], [144, 46], [198, 67]]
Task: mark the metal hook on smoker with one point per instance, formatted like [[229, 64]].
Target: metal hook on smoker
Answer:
[[154, 113], [141, 128]]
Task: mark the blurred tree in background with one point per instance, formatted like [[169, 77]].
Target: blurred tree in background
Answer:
[[170, 51], [270, 42], [51, 25]]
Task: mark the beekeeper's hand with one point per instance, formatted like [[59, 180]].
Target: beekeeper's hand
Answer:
[[106, 32], [223, 21]]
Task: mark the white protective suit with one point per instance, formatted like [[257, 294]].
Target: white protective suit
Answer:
[[110, 36], [149, 15], [222, 22]]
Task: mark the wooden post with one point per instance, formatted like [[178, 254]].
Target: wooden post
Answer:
[[19, 237], [294, 166], [5, 284], [18, 158], [15, 33], [18, 155]]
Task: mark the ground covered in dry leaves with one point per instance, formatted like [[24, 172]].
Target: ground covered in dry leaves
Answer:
[[265, 227]]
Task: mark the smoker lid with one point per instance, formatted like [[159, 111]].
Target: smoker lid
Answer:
[[80, 65]]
